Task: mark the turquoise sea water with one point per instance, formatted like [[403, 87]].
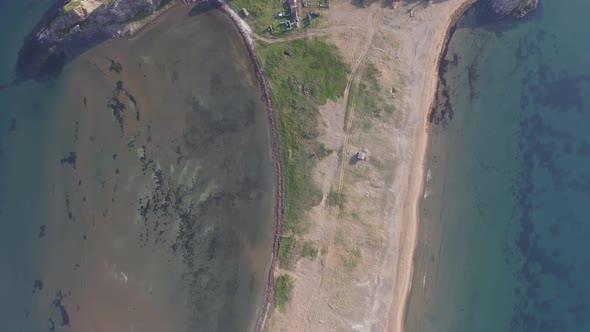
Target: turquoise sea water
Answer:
[[136, 189], [504, 235]]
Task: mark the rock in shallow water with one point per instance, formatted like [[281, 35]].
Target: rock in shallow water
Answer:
[[518, 8]]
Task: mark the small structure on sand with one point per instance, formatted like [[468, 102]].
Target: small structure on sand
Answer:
[[361, 156]]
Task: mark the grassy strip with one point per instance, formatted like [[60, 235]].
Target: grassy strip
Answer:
[[312, 74], [282, 293], [302, 74], [370, 101], [286, 249]]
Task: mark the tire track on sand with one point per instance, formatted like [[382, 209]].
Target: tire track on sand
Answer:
[[312, 312]]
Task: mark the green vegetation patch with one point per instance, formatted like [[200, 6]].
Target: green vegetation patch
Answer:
[[286, 247], [336, 199], [262, 12], [369, 103], [309, 76], [283, 287], [303, 74], [351, 259], [72, 5], [309, 250], [320, 150]]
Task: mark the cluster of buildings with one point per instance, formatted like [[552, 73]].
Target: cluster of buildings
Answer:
[[292, 18], [294, 23]]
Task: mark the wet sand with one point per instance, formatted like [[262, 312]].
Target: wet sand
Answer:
[[162, 193]]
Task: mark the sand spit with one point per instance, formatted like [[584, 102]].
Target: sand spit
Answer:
[[422, 34], [377, 230]]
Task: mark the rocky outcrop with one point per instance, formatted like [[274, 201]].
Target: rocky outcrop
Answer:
[[517, 8], [97, 14], [68, 19], [70, 27], [119, 11]]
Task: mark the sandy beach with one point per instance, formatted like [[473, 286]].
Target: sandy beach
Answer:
[[379, 232], [410, 210]]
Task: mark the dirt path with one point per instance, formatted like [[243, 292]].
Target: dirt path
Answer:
[[305, 34]]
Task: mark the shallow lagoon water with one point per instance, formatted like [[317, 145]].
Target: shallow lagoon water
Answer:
[[504, 230], [137, 188]]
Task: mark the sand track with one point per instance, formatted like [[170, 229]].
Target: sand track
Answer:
[[356, 74]]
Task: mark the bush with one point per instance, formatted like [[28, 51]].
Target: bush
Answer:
[[286, 247], [309, 250], [282, 294], [335, 199]]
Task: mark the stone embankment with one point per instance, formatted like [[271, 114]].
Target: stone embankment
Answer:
[[244, 32]]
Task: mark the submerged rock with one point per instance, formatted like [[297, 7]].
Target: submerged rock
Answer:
[[517, 8]]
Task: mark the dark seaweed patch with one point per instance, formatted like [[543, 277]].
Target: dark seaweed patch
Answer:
[[115, 66], [57, 302], [118, 107], [134, 101], [70, 159], [41, 231], [540, 144], [442, 109], [37, 285], [564, 94]]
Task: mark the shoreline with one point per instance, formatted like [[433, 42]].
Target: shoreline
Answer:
[[416, 180], [244, 33]]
